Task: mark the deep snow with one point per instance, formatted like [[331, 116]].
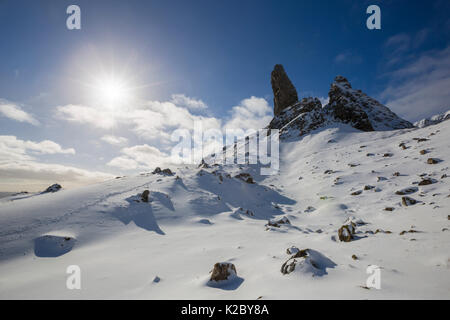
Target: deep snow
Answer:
[[191, 223]]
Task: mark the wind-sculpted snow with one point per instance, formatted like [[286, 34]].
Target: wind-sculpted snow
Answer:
[[334, 176]]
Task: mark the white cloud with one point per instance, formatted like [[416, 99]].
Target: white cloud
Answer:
[[13, 111], [84, 114], [140, 157], [20, 168], [153, 120], [27, 170], [348, 57], [12, 148], [190, 103], [252, 113], [420, 88], [113, 140]]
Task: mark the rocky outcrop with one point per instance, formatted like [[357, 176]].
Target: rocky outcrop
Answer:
[[379, 117], [305, 106], [346, 105], [284, 92]]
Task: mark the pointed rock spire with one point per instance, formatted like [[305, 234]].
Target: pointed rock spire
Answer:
[[284, 92]]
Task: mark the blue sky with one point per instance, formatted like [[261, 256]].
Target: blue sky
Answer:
[[214, 56]]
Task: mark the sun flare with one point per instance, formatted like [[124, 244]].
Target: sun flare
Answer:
[[112, 92]]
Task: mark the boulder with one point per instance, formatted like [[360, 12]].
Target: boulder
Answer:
[[157, 170], [223, 271], [426, 182], [407, 201], [144, 196], [432, 161], [346, 232]]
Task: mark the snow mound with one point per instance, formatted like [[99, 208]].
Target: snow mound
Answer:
[[307, 261]]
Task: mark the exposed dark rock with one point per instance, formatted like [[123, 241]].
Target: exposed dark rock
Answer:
[[426, 182], [144, 196], [306, 261], [356, 193], [346, 105], [223, 271], [278, 223], [407, 201], [306, 105], [157, 170], [433, 161], [246, 177], [168, 172], [410, 231], [53, 188], [345, 108], [203, 164], [406, 191], [346, 232], [284, 92]]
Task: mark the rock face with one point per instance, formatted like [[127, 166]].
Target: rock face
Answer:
[[284, 92], [346, 105]]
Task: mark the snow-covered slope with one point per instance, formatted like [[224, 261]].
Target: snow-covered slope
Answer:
[[433, 120], [166, 248]]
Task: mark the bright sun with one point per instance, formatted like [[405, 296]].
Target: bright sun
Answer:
[[112, 92]]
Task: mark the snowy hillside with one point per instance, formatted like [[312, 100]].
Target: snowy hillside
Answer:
[[165, 248], [433, 120]]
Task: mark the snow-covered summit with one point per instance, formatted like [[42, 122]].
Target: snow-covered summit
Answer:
[[433, 120]]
